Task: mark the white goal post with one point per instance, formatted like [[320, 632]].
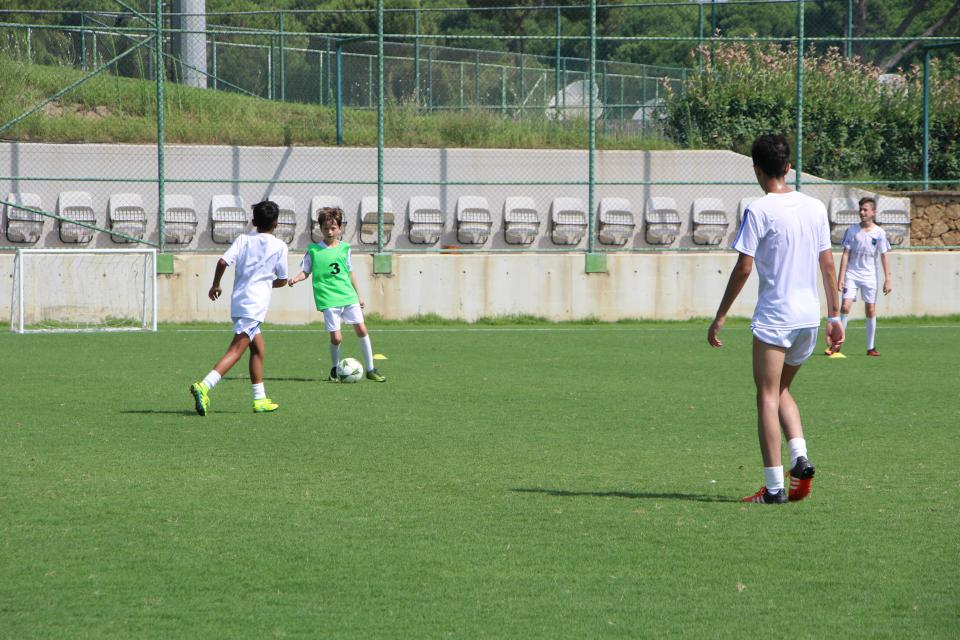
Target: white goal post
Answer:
[[80, 290]]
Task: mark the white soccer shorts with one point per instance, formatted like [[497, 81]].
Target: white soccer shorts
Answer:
[[334, 316], [868, 290], [799, 343], [249, 326]]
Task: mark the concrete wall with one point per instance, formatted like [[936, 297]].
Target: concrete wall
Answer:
[[304, 172], [671, 285]]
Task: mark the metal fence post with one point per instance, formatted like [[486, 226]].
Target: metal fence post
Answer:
[[283, 57], [339, 93], [849, 40], [556, 67], [416, 57], [503, 91], [429, 78], [926, 120], [159, 77], [592, 132], [213, 61], [476, 80], [83, 42], [799, 166], [379, 126]]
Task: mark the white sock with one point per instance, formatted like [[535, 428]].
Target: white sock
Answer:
[[798, 447], [844, 320], [334, 354], [258, 391], [871, 331], [773, 478], [211, 379], [367, 350]]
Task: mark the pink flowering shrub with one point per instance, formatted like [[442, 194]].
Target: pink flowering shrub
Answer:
[[854, 124]]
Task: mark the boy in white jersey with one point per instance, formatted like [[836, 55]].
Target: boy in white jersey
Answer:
[[862, 243], [787, 235], [335, 289], [260, 259]]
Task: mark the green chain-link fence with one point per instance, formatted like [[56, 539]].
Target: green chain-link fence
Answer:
[[527, 128]]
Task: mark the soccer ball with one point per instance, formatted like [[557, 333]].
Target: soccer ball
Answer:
[[349, 370]]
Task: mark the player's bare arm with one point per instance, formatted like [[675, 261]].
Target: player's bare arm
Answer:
[[215, 289], [886, 273], [353, 281], [300, 277], [843, 269], [738, 278], [835, 335]]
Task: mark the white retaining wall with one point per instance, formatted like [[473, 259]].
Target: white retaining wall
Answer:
[[671, 285]]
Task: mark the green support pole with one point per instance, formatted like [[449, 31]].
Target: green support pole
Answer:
[[339, 94], [799, 165], [503, 92], [213, 62], [700, 36], [320, 78], [523, 89], [926, 120], [643, 99], [476, 80], [271, 72], [461, 86], [159, 73], [416, 58], [622, 98], [370, 82], [383, 266], [429, 78], [283, 58], [592, 136], [556, 67], [83, 43], [849, 42]]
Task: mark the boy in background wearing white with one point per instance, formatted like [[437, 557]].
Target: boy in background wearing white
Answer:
[[261, 266], [335, 289], [862, 243], [788, 236]]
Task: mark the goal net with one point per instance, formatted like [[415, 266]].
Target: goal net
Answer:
[[69, 290]]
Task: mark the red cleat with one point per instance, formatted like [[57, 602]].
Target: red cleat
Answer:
[[801, 478], [765, 497], [873, 352]]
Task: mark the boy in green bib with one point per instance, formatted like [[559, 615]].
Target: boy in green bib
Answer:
[[335, 289]]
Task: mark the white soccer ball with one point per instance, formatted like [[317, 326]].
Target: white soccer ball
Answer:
[[349, 370]]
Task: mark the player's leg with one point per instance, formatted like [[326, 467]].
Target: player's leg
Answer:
[[258, 352], [331, 322], [870, 310], [801, 470], [768, 362], [354, 315], [201, 390]]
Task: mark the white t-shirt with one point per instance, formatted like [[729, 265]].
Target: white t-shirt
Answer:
[[260, 258], [864, 247], [785, 233]]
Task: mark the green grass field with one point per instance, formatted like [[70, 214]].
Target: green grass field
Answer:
[[530, 481]]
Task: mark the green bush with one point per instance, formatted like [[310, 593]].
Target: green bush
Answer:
[[855, 126]]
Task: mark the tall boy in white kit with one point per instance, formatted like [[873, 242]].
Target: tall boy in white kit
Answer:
[[787, 235]]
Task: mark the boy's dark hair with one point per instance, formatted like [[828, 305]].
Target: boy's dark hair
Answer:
[[864, 200], [771, 152], [330, 213], [265, 215]]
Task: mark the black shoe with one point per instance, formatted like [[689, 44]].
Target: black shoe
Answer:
[[333, 375], [801, 478], [765, 497]]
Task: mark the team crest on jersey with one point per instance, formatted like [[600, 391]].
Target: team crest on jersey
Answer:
[[873, 241]]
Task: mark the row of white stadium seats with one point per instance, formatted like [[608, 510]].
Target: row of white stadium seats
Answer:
[[710, 220]]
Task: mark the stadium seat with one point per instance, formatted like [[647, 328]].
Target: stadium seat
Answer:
[[521, 221], [710, 221], [568, 219], [322, 202], [76, 205], [843, 212], [179, 218], [23, 226], [126, 214], [228, 218], [662, 219], [368, 219], [893, 214], [424, 220], [287, 223], [473, 220], [616, 222]]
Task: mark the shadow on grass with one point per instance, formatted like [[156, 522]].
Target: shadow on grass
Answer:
[[172, 412], [695, 497]]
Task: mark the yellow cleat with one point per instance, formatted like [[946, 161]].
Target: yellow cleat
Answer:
[[200, 398], [264, 405]]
